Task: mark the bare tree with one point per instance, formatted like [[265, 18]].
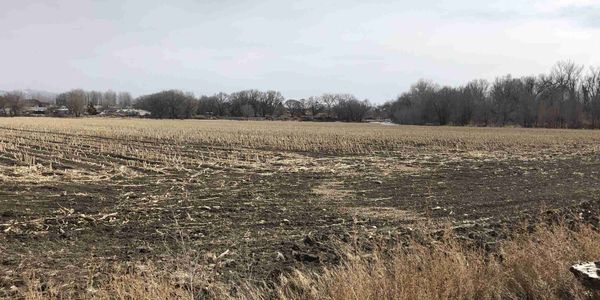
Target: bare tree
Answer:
[[591, 96], [247, 110], [76, 102], [190, 105], [329, 102], [95, 97], [567, 77], [215, 105], [109, 98], [477, 93], [172, 104], [295, 107], [61, 99], [221, 103], [3, 104], [269, 102], [314, 105], [124, 99], [350, 109], [441, 102], [239, 99], [14, 102]]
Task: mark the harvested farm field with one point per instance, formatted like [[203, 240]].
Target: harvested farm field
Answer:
[[251, 201]]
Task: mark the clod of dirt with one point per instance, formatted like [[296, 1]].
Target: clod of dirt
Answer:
[[8, 214], [306, 257], [309, 241], [143, 249], [228, 263]]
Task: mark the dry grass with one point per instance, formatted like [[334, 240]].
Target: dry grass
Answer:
[[529, 266], [96, 149], [311, 137]]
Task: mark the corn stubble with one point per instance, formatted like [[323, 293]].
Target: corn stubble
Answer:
[[528, 266]]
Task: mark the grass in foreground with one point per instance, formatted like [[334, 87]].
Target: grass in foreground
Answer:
[[528, 266]]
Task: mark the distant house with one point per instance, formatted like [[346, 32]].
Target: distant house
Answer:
[[61, 111], [34, 106], [125, 112]]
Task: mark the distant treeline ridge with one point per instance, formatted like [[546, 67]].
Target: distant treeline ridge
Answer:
[[567, 97]]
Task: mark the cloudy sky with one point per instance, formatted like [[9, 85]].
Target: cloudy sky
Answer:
[[373, 49]]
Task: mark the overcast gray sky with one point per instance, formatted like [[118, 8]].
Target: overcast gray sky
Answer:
[[373, 49]]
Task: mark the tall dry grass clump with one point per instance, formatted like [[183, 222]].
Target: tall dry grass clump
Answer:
[[148, 282], [530, 266], [118, 287]]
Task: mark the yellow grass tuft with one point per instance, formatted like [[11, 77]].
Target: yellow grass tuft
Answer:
[[530, 266]]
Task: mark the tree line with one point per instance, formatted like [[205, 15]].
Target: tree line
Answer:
[[254, 104], [12, 103], [175, 104], [567, 97], [79, 101], [76, 101]]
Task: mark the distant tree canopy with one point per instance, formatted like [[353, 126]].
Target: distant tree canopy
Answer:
[[76, 102], [12, 103], [254, 103], [79, 101], [170, 104], [568, 97], [350, 109]]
